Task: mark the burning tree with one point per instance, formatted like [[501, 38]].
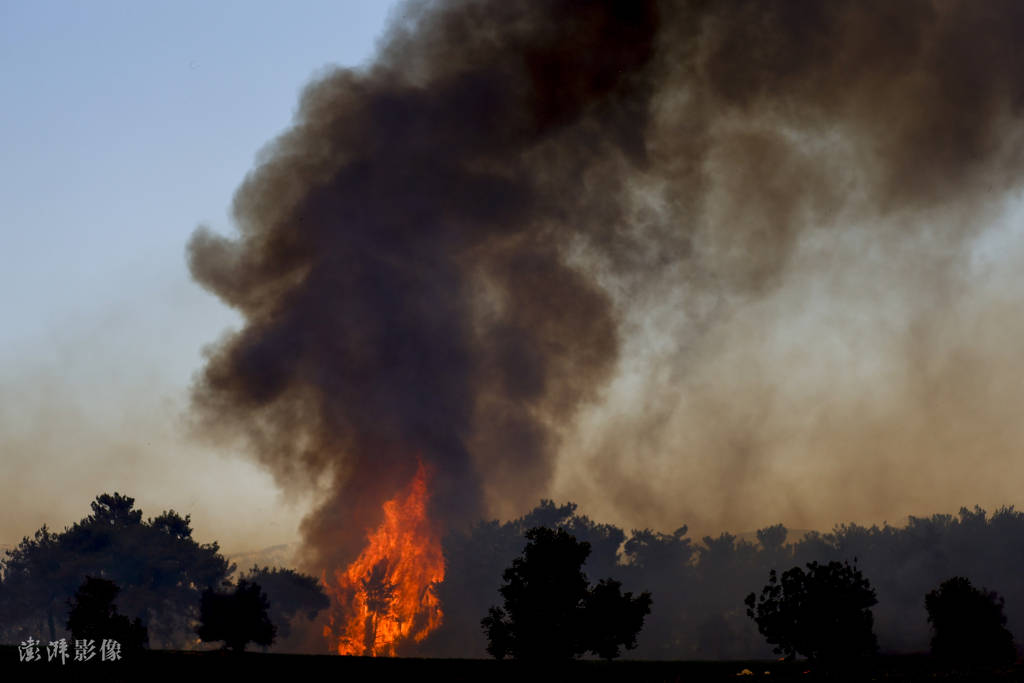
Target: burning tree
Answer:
[[387, 596], [551, 612]]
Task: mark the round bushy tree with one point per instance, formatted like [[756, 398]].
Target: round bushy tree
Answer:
[[237, 618], [968, 624], [823, 613], [550, 611]]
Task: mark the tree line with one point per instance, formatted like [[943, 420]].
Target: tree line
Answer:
[[687, 595], [698, 586], [823, 614], [147, 582]]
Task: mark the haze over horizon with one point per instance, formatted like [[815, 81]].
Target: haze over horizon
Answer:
[[132, 125], [846, 351]]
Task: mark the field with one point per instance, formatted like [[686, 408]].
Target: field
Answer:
[[192, 667]]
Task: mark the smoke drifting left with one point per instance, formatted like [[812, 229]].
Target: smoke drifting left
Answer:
[[401, 264]]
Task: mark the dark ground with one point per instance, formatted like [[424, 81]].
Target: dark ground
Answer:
[[193, 667]]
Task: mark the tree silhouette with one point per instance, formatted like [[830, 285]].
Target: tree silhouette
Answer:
[[823, 614], [160, 569], [968, 624], [292, 596], [550, 611], [114, 511], [476, 555], [614, 619], [237, 618], [37, 585], [665, 564], [93, 615]]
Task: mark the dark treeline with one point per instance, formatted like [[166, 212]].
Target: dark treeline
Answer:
[[159, 570], [698, 586], [156, 574]]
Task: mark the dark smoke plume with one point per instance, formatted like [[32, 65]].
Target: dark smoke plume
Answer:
[[526, 215], [402, 260]]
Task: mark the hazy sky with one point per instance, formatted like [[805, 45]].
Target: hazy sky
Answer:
[[825, 350], [124, 126]]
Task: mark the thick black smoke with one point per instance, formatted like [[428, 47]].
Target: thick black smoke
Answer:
[[444, 255], [402, 260]]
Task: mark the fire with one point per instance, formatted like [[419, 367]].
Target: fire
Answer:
[[388, 594]]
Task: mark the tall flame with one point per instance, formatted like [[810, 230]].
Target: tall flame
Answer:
[[388, 594]]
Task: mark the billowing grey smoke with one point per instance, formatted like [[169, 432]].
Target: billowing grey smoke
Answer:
[[456, 249]]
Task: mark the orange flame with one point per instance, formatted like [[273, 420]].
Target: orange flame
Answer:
[[388, 594]]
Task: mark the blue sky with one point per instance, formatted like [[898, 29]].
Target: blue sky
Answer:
[[124, 126]]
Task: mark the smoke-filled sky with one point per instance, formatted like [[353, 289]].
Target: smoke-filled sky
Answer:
[[722, 264]]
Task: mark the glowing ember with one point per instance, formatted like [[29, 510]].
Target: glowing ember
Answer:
[[388, 594]]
